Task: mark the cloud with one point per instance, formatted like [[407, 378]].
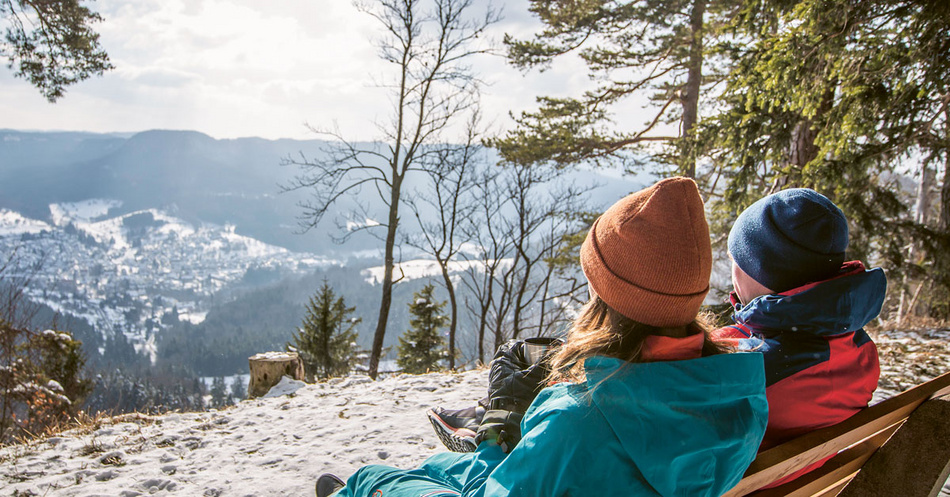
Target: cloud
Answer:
[[233, 68], [159, 76]]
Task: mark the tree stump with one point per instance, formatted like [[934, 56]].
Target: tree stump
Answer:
[[268, 368]]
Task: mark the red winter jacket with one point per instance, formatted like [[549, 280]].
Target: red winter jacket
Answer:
[[821, 367]]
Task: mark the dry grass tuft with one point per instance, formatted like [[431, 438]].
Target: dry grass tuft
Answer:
[[84, 424], [909, 323]]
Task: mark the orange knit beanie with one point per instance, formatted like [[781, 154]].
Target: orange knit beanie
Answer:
[[649, 257]]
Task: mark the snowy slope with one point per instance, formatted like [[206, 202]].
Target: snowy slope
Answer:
[[273, 446], [124, 273], [14, 224], [278, 446]]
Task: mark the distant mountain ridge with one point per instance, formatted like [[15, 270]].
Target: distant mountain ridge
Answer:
[[192, 176], [188, 173]]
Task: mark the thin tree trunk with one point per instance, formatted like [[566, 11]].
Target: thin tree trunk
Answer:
[[944, 223], [325, 318], [694, 80], [485, 307], [922, 217], [544, 299], [498, 334], [505, 300], [453, 323], [519, 297], [922, 207], [944, 220], [483, 322], [387, 291], [384, 305]]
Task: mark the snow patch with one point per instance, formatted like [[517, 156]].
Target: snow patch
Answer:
[[285, 386], [193, 317], [14, 224], [419, 268], [366, 223], [86, 210], [271, 356]]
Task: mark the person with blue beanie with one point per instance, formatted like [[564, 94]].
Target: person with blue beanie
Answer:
[[799, 302], [793, 237]]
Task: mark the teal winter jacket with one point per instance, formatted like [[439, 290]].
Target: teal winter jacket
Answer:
[[685, 428]]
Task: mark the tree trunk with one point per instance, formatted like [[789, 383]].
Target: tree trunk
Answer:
[[802, 149], [454, 310], [801, 145], [694, 79], [944, 220], [325, 324], [916, 253], [544, 300], [387, 293], [267, 369], [519, 297], [482, 324], [922, 207], [505, 301], [485, 307], [944, 224]]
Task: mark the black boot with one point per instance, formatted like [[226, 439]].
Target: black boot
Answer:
[[327, 484]]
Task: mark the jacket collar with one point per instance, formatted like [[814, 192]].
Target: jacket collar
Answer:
[[663, 348], [844, 303]]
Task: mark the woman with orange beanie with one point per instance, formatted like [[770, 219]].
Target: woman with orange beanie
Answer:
[[643, 402]]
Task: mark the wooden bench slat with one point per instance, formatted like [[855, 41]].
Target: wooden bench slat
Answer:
[[786, 459], [835, 473], [832, 491]]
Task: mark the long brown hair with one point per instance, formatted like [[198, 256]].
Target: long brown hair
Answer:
[[600, 330]]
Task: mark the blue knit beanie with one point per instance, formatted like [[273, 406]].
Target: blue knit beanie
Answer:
[[790, 238]]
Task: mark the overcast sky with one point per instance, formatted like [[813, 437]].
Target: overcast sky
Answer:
[[237, 68]]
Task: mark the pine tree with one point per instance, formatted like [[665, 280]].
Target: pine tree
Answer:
[[238, 391], [840, 96], [42, 377], [422, 347], [219, 393], [632, 49], [326, 341], [51, 43]]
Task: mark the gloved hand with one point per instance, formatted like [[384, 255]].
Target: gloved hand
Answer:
[[513, 382], [502, 427]]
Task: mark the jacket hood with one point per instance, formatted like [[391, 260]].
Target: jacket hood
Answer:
[[832, 307], [691, 427]]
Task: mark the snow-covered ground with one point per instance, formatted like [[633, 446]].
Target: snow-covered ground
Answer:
[[910, 358], [279, 445], [270, 446], [13, 223]]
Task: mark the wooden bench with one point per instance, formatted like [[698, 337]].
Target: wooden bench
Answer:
[[899, 447]]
